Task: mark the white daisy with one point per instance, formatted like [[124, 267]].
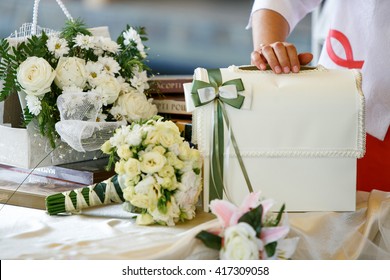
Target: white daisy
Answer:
[[131, 35], [139, 80], [110, 66], [84, 41], [108, 45], [57, 46], [33, 104], [94, 70]]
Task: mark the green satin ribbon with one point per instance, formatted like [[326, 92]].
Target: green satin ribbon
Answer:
[[220, 116]]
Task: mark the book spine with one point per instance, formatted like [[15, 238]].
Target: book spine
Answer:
[[168, 85], [171, 106]]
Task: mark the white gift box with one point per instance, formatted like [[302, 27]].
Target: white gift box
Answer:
[[299, 136]]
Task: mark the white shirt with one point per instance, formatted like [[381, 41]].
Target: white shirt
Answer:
[[359, 37]]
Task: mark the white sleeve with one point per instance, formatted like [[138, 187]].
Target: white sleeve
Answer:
[[292, 10]]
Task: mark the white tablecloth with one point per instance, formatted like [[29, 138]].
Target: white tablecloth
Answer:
[[110, 233]]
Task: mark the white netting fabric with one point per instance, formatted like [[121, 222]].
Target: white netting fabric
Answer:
[[79, 128], [85, 136], [83, 106]]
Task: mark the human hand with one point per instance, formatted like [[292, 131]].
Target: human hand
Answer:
[[282, 57]]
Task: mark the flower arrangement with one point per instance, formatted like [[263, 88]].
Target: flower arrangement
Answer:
[[248, 232], [75, 63], [158, 175]]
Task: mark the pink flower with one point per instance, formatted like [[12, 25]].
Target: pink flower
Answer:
[[228, 214]]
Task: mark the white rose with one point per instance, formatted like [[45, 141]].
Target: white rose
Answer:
[[135, 136], [190, 180], [144, 219], [71, 72], [170, 216], [166, 171], [189, 189], [146, 194], [174, 161], [184, 151], [109, 88], [106, 147], [132, 167], [35, 76], [152, 162], [136, 106], [159, 149], [240, 243], [124, 152], [196, 159], [169, 183], [169, 133], [120, 167]]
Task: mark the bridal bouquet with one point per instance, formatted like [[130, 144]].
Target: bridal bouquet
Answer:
[[158, 175], [75, 70], [249, 232]]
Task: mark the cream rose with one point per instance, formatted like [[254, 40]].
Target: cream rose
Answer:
[[169, 216], [166, 171], [184, 151], [124, 152], [240, 243], [132, 168], [174, 161], [144, 219], [35, 76], [169, 134], [71, 71], [152, 162], [136, 106], [120, 167], [145, 194], [109, 87], [106, 147]]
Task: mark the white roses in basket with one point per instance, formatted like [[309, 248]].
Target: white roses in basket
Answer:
[[77, 62]]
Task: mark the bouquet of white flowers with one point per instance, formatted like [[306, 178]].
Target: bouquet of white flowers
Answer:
[[158, 175], [75, 75]]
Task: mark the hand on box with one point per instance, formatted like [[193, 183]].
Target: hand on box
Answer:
[[282, 57]]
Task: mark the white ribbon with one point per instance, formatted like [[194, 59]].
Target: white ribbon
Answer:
[[208, 94]]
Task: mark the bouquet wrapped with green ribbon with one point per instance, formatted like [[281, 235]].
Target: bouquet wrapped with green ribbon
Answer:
[[157, 173]]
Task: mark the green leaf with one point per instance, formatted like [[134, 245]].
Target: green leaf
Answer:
[[279, 217], [270, 248], [253, 218], [72, 28], [27, 116], [210, 240], [162, 204]]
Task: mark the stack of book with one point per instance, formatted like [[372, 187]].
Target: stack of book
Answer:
[[168, 95], [29, 187]]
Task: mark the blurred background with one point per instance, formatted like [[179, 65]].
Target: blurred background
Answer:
[[182, 34]]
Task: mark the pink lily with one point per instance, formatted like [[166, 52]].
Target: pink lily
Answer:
[[228, 214], [271, 234]]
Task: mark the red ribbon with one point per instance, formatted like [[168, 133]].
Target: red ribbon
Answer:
[[349, 62]]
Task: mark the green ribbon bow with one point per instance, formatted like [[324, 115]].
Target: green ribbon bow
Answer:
[[220, 93]]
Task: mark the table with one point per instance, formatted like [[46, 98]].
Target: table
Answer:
[[110, 233]]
